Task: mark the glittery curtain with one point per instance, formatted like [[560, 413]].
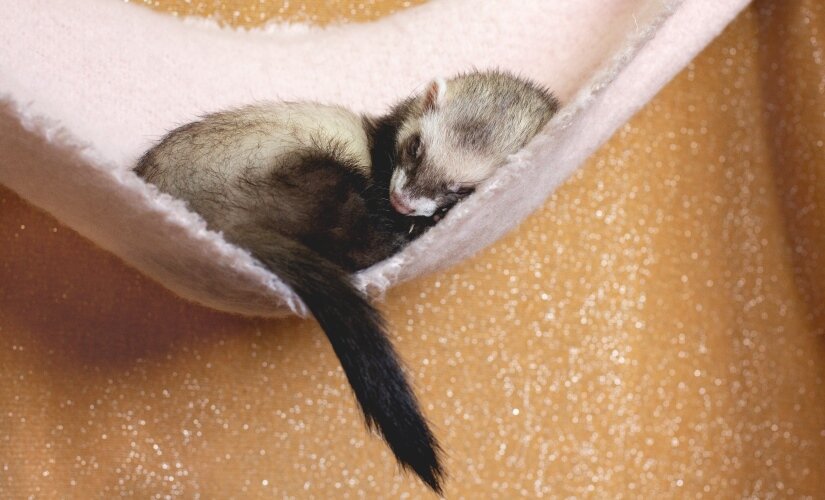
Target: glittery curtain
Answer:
[[251, 13], [656, 330]]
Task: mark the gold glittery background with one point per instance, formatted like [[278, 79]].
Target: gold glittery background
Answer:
[[656, 330], [251, 13]]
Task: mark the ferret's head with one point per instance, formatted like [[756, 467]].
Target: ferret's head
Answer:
[[455, 134]]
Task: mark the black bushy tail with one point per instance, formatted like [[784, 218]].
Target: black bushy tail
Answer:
[[357, 334]]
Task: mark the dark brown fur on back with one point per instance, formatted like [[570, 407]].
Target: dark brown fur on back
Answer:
[[318, 198]]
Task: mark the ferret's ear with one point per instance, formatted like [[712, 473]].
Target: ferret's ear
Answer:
[[435, 95]]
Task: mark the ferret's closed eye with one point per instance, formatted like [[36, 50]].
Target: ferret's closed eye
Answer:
[[463, 190], [414, 147]]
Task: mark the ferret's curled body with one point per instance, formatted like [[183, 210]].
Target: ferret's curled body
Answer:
[[302, 170], [315, 192], [293, 183]]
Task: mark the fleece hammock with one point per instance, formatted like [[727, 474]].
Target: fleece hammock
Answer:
[[87, 86]]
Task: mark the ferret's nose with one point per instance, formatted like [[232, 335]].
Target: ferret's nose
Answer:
[[399, 205]]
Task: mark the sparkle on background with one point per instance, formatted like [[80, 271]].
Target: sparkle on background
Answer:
[[251, 13]]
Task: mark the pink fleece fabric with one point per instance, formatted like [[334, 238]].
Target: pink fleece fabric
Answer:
[[85, 87]]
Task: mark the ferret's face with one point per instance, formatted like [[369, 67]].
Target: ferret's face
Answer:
[[454, 136], [432, 175], [436, 166]]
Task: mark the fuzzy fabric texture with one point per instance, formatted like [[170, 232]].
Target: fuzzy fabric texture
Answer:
[[86, 87]]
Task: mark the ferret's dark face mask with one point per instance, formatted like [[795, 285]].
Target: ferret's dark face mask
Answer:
[[433, 172], [416, 188], [417, 192]]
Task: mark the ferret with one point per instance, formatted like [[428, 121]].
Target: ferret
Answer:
[[458, 133], [315, 192]]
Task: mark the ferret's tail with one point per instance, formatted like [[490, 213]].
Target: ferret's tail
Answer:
[[357, 334]]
